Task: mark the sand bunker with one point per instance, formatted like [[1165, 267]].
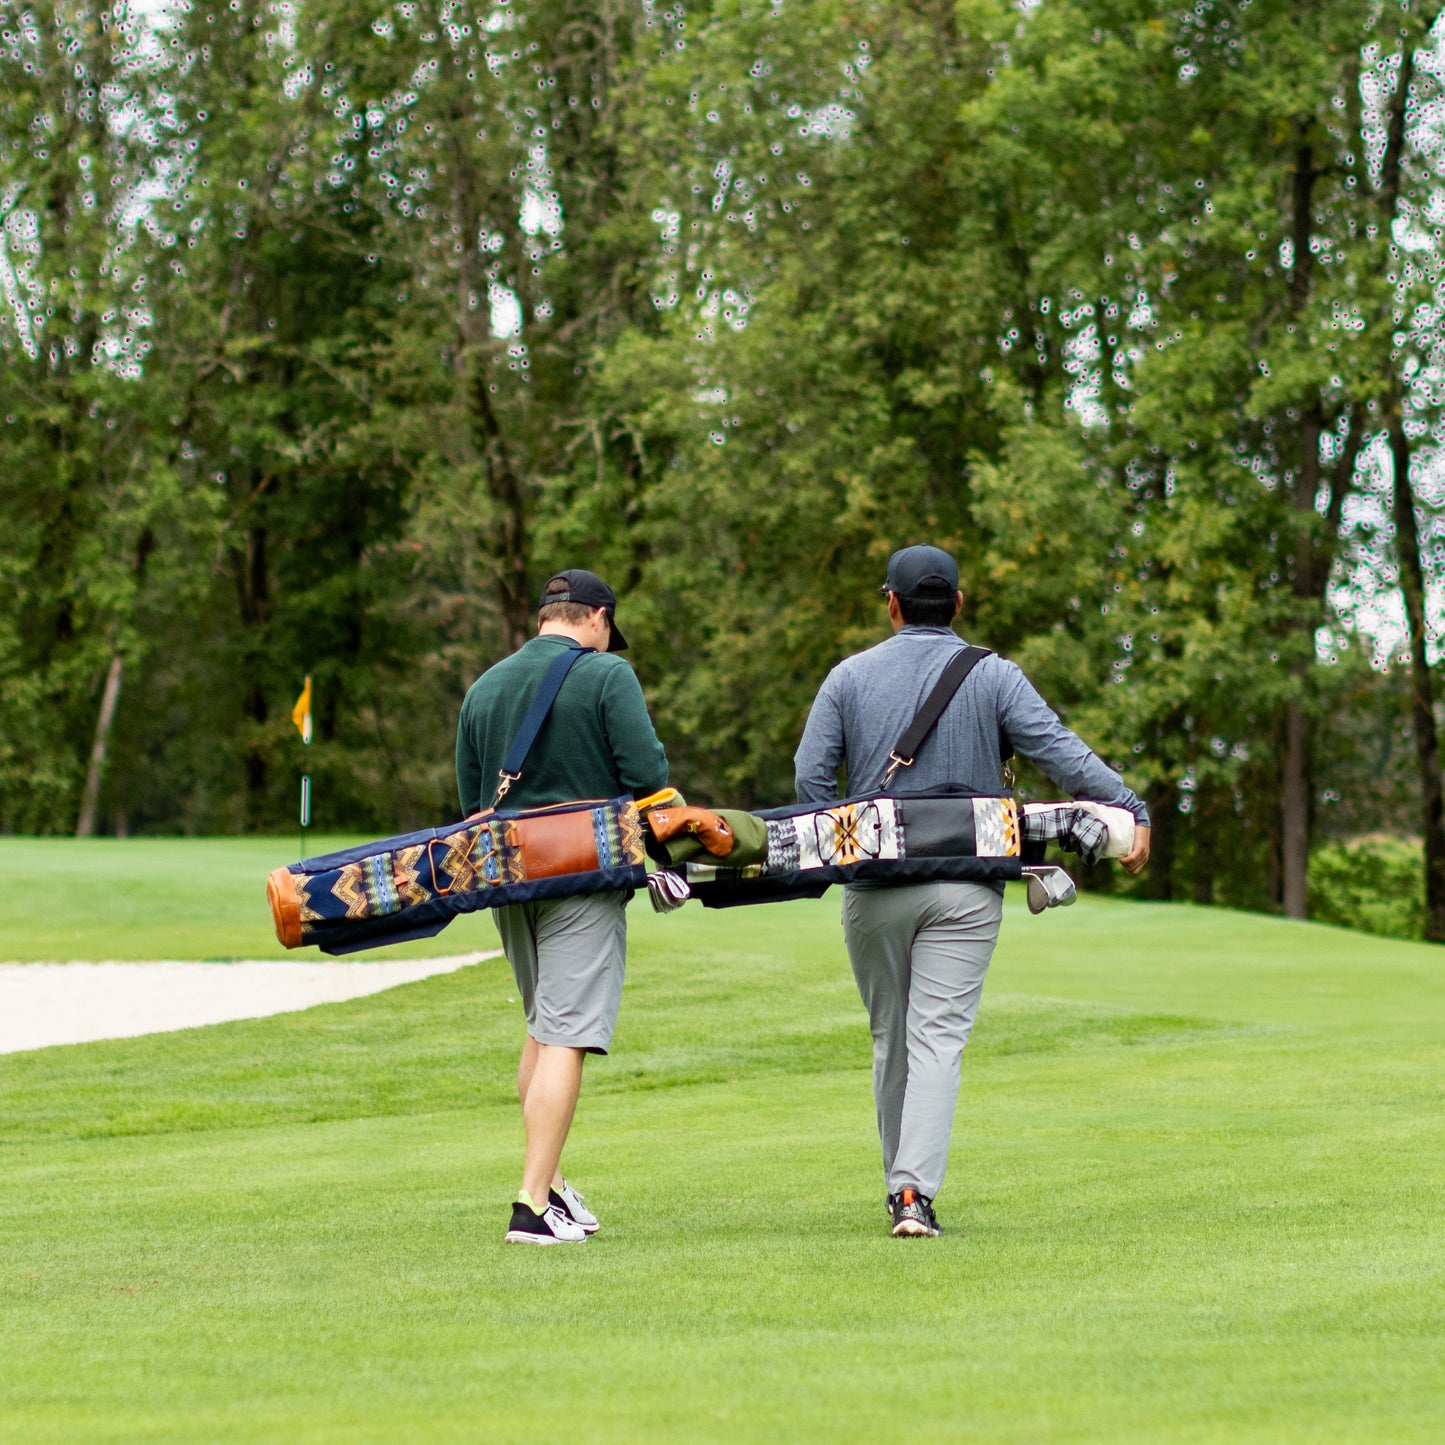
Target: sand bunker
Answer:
[[72, 1003]]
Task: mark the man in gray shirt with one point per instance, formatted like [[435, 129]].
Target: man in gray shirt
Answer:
[[920, 950]]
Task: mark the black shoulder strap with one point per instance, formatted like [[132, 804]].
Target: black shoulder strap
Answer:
[[905, 750], [537, 713]]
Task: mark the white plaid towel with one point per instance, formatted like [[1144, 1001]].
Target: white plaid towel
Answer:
[[1074, 829]]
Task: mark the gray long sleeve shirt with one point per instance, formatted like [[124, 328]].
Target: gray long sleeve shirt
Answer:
[[868, 700]]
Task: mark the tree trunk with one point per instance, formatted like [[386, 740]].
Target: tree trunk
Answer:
[[1294, 811], [90, 798], [1163, 802], [1272, 872], [1407, 551], [1308, 566], [508, 493], [1205, 823], [1422, 691], [254, 584]]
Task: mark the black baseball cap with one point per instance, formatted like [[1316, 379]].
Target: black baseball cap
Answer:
[[590, 590], [921, 572]]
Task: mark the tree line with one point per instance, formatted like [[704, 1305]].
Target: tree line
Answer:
[[328, 330]]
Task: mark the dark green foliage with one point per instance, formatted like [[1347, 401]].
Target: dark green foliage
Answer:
[[406, 310], [1376, 885]]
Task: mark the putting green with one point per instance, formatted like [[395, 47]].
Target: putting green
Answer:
[[1194, 1196]]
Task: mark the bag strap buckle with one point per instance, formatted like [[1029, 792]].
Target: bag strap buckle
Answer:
[[894, 763], [504, 786]]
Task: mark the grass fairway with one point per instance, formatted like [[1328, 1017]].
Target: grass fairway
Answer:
[[1195, 1195], [71, 899]]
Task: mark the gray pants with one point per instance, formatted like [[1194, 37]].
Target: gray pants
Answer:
[[919, 953]]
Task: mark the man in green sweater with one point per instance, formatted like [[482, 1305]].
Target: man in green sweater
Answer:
[[567, 954]]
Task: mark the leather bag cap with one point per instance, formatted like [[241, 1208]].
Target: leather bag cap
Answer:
[[285, 904]]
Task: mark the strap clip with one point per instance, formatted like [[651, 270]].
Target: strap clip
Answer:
[[504, 786], [894, 763]]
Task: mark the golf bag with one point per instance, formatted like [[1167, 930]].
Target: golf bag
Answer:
[[412, 886]]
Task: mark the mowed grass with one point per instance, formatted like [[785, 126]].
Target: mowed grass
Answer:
[[1195, 1195], [72, 899]]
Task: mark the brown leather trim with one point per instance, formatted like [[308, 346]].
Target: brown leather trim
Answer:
[[554, 843], [546, 808], [285, 904]]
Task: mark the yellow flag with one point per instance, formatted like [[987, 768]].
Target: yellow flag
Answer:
[[301, 713]]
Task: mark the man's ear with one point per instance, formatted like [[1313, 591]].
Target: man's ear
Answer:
[[957, 603], [600, 619]]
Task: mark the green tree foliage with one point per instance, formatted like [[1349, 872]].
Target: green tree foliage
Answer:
[[330, 330], [85, 493]]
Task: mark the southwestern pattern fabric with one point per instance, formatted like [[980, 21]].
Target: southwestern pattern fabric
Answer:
[[878, 831], [414, 885], [890, 830], [618, 833], [848, 833], [880, 839], [995, 828], [785, 853]]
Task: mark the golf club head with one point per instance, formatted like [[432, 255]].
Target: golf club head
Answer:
[[1049, 887], [667, 890]]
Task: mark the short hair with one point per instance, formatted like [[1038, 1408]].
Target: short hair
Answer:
[[927, 611], [562, 611]]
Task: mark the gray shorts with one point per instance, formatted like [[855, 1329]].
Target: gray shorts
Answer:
[[568, 957]]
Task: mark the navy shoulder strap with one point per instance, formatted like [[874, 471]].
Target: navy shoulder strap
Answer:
[[905, 750], [537, 714]]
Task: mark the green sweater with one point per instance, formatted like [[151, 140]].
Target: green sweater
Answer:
[[598, 741]]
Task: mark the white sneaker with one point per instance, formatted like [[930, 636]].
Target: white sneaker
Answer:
[[551, 1226], [571, 1203]]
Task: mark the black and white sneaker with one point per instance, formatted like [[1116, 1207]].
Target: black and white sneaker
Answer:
[[888, 1205], [571, 1203], [913, 1216], [551, 1226]]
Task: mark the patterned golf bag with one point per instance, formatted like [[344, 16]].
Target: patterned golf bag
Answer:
[[899, 840], [412, 886], [808, 848]]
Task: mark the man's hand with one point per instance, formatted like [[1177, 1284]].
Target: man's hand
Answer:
[[1138, 855]]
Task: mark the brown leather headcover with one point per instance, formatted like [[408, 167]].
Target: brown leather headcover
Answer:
[[712, 831], [285, 906], [554, 843]]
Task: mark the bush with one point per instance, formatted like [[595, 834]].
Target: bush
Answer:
[[1376, 885]]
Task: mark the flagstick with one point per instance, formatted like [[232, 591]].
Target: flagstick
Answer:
[[301, 717]]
